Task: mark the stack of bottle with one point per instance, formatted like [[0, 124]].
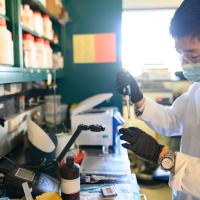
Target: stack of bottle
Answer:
[[37, 52], [36, 21]]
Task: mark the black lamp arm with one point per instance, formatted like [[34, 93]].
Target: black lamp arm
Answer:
[[81, 127]]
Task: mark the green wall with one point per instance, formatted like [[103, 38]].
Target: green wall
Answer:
[[83, 80]]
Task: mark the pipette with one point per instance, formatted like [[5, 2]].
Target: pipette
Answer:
[[127, 92]]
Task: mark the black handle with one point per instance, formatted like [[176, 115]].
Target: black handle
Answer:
[[81, 127]]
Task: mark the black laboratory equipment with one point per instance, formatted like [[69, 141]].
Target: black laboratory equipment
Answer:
[[39, 181]]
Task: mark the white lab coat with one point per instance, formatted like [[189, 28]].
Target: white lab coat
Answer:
[[182, 118], [187, 175]]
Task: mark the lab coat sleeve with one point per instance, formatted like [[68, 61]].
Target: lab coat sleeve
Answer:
[[164, 119], [186, 176]]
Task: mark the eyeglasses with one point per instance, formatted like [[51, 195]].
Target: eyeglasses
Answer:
[[189, 57]]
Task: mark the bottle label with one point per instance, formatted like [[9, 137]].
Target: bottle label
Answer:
[[70, 186]]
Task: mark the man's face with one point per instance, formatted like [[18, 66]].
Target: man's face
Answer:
[[188, 49]]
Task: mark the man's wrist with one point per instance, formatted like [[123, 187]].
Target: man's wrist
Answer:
[[140, 104], [139, 107], [164, 152]]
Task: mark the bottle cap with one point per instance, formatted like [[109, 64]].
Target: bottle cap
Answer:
[[2, 22], [28, 37], [47, 42], [36, 13], [37, 39], [69, 161], [45, 15], [22, 97]]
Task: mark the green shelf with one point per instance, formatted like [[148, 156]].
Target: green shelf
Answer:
[[18, 73], [9, 68], [10, 74], [27, 30]]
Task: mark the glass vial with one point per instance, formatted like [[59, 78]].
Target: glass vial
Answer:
[[105, 146], [22, 103]]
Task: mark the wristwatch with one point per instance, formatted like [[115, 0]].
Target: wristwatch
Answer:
[[168, 161], [139, 111]]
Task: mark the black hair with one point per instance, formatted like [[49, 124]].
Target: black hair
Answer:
[[186, 20]]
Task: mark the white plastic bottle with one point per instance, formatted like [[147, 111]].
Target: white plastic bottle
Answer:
[[2, 7], [29, 50], [47, 27], [27, 16], [40, 52], [38, 22], [49, 54], [6, 44]]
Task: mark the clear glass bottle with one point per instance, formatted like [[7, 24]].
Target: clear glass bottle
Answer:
[[22, 103], [105, 146]]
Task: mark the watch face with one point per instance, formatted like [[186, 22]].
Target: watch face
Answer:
[[167, 163]]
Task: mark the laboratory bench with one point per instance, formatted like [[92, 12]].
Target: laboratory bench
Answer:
[[97, 170], [112, 169]]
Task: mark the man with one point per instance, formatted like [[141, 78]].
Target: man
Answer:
[[183, 117]]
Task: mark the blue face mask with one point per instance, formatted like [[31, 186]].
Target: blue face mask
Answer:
[[192, 71]]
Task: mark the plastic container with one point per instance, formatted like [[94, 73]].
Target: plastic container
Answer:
[[56, 117], [2, 7], [63, 111], [58, 61], [40, 53], [47, 27], [52, 103], [105, 146], [49, 54], [50, 107], [51, 99], [70, 180], [29, 50], [6, 44], [27, 16], [38, 22], [53, 118]]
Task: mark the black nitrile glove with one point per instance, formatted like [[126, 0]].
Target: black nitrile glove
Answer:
[[123, 80], [142, 144]]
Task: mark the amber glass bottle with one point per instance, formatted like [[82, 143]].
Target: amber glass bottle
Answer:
[[70, 180]]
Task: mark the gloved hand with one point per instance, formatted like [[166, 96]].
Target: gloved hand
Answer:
[[124, 79], [142, 144]]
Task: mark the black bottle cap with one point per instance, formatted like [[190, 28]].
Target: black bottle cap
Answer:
[[69, 161], [70, 170]]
